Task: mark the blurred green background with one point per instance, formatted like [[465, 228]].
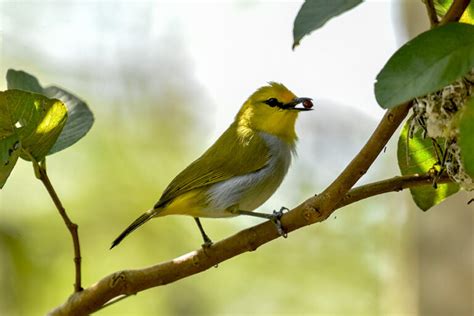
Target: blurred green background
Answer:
[[163, 80]]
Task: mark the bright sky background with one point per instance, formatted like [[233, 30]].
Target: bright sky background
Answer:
[[231, 47], [214, 54], [124, 57], [241, 45]]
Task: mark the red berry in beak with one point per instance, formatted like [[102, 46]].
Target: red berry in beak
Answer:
[[307, 104]]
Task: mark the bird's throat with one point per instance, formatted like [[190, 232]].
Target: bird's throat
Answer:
[[280, 123]]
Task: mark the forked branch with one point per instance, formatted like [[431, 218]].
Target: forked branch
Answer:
[[315, 209]]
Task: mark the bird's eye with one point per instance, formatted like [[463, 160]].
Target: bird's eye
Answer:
[[272, 102]]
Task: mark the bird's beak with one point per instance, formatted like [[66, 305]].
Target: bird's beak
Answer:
[[307, 104]]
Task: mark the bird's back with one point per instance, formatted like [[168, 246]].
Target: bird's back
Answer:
[[235, 153]]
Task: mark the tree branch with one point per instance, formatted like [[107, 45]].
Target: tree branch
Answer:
[[364, 159], [432, 15], [72, 227], [389, 185], [128, 282], [315, 209], [455, 11]]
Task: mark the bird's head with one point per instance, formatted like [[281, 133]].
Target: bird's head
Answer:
[[273, 109]]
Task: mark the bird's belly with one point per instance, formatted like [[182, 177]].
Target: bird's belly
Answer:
[[249, 191]]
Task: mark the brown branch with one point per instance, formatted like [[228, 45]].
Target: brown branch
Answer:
[[455, 11], [432, 15], [128, 282], [315, 209], [364, 159], [72, 227], [389, 185]]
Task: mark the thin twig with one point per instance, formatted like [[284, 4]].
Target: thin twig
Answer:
[[455, 11], [315, 209], [72, 227], [432, 15], [389, 185]]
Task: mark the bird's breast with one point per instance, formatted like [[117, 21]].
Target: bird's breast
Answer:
[[249, 191]]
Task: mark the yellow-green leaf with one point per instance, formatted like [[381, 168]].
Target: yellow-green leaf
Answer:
[[417, 156], [35, 119], [466, 137], [442, 6], [80, 117], [9, 153]]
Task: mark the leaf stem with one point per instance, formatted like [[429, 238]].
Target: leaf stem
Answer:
[[72, 227], [455, 11], [431, 13]]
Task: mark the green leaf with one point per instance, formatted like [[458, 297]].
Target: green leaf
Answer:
[[442, 6], [315, 13], [468, 15], [425, 64], [417, 156], [35, 119], [466, 137], [80, 118], [20, 80], [9, 153]]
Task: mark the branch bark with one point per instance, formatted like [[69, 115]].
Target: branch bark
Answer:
[[455, 11], [315, 209], [72, 227], [431, 13], [394, 184], [364, 159], [129, 282]]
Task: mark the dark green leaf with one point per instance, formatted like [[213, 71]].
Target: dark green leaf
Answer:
[[35, 119], [417, 156], [466, 137], [425, 64], [79, 122], [20, 80], [9, 153], [315, 13]]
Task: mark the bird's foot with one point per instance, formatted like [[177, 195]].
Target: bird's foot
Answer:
[[207, 243], [276, 216]]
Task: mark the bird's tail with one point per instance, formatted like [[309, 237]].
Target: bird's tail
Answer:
[[145, 217]]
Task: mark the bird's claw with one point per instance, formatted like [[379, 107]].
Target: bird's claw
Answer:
[[207, 244], [276, 220]]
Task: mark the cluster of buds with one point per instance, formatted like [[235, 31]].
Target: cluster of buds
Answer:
[[436, 114]]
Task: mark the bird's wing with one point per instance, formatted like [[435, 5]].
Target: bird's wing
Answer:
[[233, 154]]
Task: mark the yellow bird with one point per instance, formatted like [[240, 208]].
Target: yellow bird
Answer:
[[242, 169]]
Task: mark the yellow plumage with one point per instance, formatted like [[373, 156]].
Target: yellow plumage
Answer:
[[242, 169]]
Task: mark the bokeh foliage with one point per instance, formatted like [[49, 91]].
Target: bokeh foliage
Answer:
[[110, 177]]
